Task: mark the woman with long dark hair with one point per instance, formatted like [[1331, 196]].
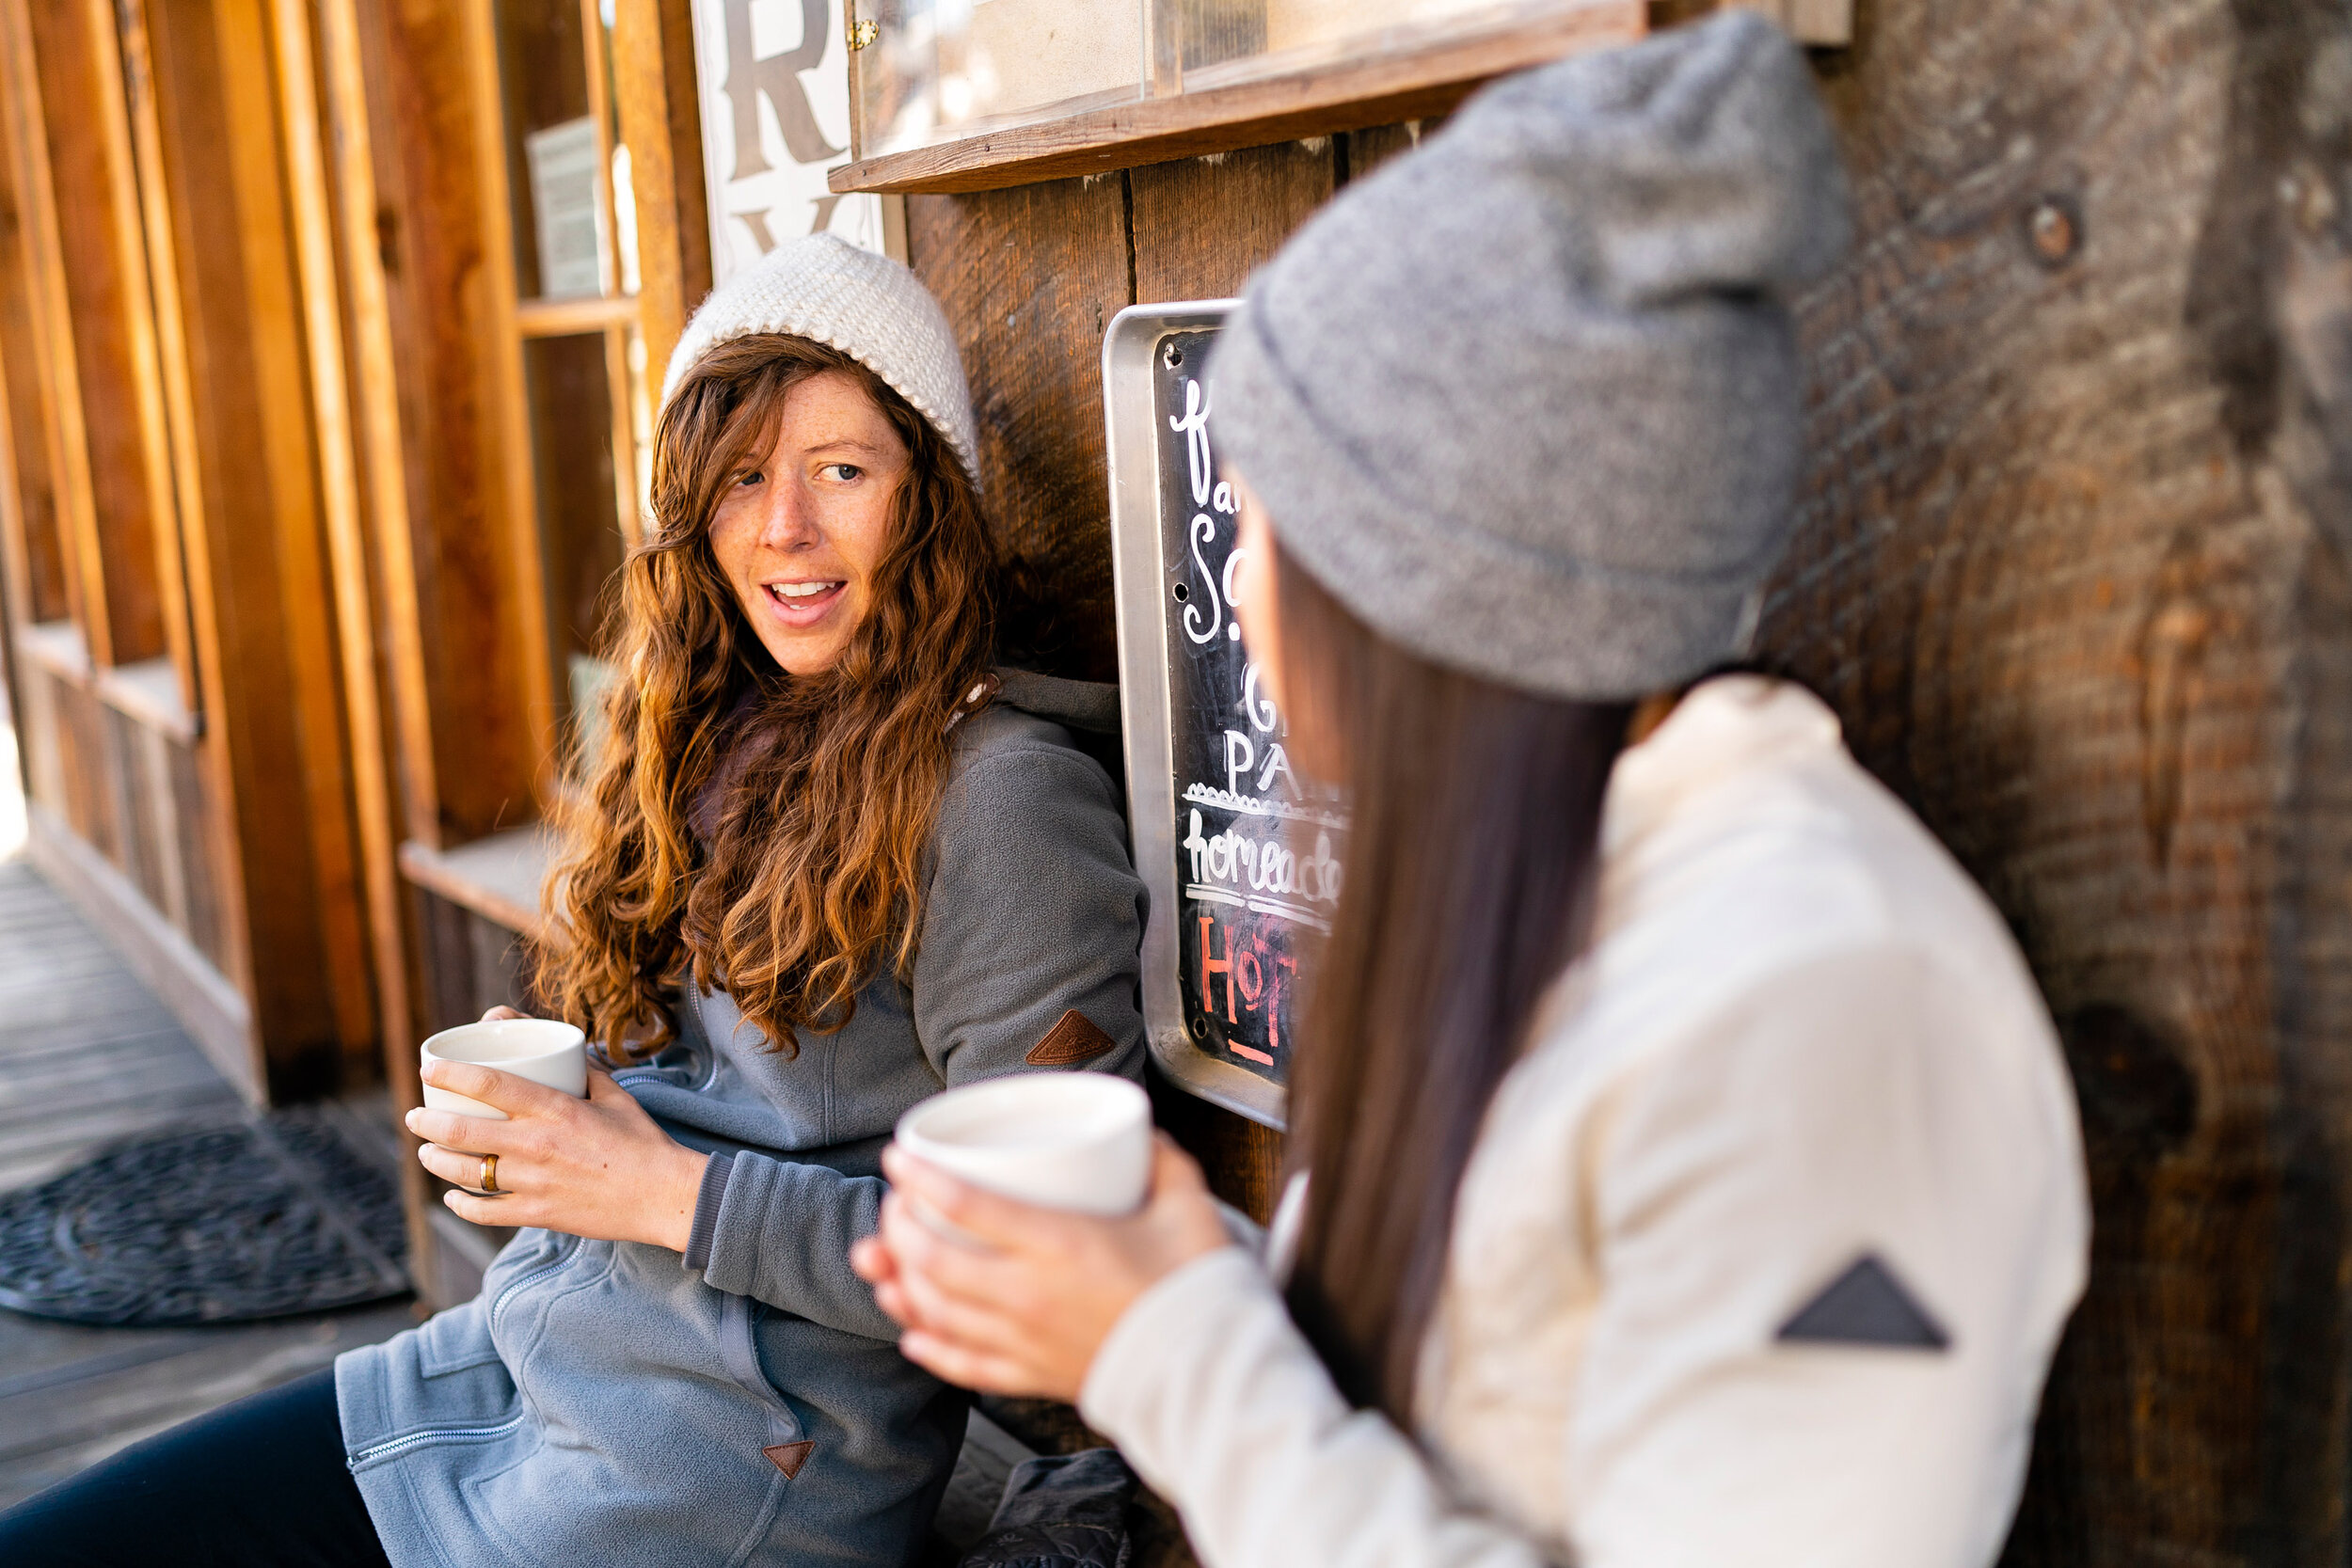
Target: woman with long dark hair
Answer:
[[825, 862], [1684, 1168]]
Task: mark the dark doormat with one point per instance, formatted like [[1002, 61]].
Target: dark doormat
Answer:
[[257, 1219]]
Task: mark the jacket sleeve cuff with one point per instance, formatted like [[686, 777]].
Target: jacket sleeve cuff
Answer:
[[782, 1234], [1125, 1393], [706, 1201]]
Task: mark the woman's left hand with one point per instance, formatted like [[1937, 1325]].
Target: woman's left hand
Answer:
[[1023, 1308], [599, 1168]]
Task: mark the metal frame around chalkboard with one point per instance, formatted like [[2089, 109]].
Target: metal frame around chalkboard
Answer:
[[1138, 577]]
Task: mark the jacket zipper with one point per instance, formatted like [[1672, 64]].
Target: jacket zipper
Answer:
[[466, 1435], [506, 1292], [435, 1434]]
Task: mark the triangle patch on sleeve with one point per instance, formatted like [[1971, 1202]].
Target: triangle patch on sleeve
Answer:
[[789, 1457], [1865, 1305], [1076, 1038]]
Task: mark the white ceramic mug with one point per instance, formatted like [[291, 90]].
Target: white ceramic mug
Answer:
[[1080, 1140], [540, 1049]]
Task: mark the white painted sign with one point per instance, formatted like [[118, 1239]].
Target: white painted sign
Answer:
[[774, 81]]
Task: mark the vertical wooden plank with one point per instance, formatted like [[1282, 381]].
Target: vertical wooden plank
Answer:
[[1030, 278], [599, 69], [281, 770], [159, 572], [389, 558], [34, 554], [37, 720], [447, 263], [170, 339], [101, 284], [1363, 152], [202, 849], [331, 405], [365, 228], [200, 861], [206, 785], [49, 316], [1203, 224], [388, 525], [653, 91], [517, 511], [305, 607], [159, 809], [622, 389]]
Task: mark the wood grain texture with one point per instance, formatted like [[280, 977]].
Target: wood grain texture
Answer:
[[204, 776], [2072, 568], [132, 205], [653, 91], [1200, 225], [49, 342], [105, 331], [277, 708], [34, 551], [470, 674], [1030, 278], [373, 808], [1428, 75]]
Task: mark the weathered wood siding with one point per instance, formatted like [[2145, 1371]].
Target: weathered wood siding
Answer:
[[2072, 568]]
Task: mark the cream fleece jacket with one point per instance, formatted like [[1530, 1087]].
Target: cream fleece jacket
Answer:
[[1762, 1254]]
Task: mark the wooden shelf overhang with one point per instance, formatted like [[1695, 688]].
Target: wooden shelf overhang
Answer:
[[497, 877], [1403, 75], [149, 691], [563, 318]]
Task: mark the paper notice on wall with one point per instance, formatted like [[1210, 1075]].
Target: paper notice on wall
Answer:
[[562, 160], [774, 82]]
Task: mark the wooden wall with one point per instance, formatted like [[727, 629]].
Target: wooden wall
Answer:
[[1031, 276], [2072, 566], [169, 611], [2072, 570]]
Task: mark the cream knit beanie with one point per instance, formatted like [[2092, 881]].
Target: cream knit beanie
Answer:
[[865, 305]]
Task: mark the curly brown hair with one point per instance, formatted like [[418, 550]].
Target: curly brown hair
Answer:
[[811, 873]]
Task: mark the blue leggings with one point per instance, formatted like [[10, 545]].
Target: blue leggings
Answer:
[[259, 1483]]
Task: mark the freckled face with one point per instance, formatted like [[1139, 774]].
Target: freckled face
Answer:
[[801, 527]]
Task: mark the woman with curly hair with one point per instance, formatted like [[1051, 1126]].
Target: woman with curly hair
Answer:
[[829, 862]]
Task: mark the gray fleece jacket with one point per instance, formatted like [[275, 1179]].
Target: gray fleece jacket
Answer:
[[607, 1401]]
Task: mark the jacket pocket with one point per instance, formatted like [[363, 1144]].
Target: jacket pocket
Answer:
[[739, 1346], [453, 1340]]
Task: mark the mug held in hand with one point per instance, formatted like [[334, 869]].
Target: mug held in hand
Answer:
[[1077, 1141], [540, 1049]]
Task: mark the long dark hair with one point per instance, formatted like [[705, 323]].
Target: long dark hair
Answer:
[[1471, 863]]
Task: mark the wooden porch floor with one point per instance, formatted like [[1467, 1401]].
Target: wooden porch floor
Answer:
[[88, 1058]]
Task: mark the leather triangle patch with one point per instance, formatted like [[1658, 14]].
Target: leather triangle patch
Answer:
[[789, 1457], [1865, 1305], [1076, 1038]]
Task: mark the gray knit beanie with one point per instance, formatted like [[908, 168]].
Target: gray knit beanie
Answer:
[[823, 288], [1527, 400]]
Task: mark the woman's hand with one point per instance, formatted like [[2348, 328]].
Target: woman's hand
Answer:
[[599, 1168], [1026, 1315]]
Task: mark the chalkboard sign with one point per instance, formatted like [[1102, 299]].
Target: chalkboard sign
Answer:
[[1241, 856]]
